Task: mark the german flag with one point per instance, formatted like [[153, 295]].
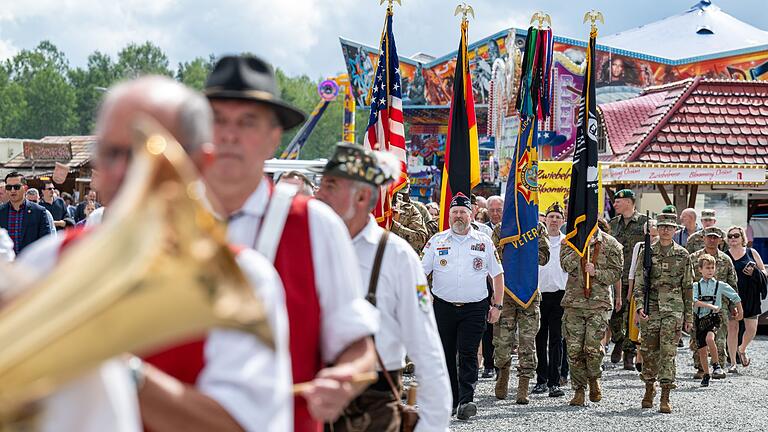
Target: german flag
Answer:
[[461, 170]]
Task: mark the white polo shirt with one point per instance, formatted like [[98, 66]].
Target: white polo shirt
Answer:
[[552, 278], [460, 265]]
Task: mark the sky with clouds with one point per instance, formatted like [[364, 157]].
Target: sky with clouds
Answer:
[[301, 36]]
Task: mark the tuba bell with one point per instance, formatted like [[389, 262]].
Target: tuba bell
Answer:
[[157, 271]]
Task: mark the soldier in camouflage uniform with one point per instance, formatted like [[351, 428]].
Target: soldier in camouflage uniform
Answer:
[[408, 223], [429, 222], [725, 272], [586, 318], [627, 229], [526, 321], [670, 307], [696, 240]]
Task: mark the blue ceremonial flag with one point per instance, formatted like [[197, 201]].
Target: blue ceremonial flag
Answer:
[[520, 222], [519, 225]]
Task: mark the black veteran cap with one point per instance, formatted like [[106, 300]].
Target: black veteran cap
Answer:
[[666, 219], [712, 231], [625, 193], [708, 214], [356, 163], [555, 207], [461, 200], [248, 77]]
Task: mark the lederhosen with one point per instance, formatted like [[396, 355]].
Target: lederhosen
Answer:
[[707, 323]]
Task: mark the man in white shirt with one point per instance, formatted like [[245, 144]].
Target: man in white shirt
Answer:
[[330, 322], [401, 296], [549, 339], [460, 259]]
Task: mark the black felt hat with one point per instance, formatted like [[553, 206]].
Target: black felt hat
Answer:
[[248, 77]]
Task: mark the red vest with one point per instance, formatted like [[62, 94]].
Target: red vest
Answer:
[[295, 266]]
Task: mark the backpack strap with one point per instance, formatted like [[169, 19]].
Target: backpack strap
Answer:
[[698, 295]]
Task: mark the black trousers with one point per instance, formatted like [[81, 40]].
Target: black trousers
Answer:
[[461, 328], [488, 347], [549, 339]]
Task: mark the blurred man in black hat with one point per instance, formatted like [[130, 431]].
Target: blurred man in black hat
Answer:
[[330, 322]]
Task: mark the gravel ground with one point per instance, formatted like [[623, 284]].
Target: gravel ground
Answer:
[[739, 402]]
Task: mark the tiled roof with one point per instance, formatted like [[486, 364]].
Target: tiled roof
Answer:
[[704, 121], [624, 117], [80, 147]]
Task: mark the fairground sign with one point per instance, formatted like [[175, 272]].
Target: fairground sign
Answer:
[[641, 173]]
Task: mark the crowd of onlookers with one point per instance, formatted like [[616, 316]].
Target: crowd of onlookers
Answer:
[[26, 214]]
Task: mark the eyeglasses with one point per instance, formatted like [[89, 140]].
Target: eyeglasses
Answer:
[[734, 236], [13, 187]]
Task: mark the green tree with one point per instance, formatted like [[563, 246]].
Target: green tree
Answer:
[[194, 73], [12, 102], [46, 102], [146, 59], [90, 84]]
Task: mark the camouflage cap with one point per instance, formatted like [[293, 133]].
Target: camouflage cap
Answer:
[[625, 193], [712, 231], [670, 209], [356, 163], [666, 219], [708, 214], [555, 207]]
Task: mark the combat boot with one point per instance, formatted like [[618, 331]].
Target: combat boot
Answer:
[[650, 393], [629, 361], [595, 392], [502, 383], [578, 398], [664, 406], [522, 391], [616, 353]]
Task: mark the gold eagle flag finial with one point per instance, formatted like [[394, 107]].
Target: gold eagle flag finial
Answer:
[[593, 17], [542, 18], [390, 3], [464, 9]]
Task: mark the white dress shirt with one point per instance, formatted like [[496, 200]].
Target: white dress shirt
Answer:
[[345, 315], [248, 379], [460, 265], [552, 278], [407, 322]]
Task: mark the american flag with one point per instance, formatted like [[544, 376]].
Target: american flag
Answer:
[[385, 131]]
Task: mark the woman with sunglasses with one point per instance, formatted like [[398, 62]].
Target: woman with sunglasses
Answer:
[[751, 274]]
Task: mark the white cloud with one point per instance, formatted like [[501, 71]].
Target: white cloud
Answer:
[[300, 36]]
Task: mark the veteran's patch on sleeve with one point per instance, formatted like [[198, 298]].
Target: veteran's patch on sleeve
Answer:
[[422, 291]]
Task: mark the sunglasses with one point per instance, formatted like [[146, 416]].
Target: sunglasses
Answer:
[[50, 188], [13, 187], [734, 236]]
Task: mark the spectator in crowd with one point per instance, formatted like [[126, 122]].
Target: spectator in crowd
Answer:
[[55, 206], [80, 211], [751, 275], [305, 185], [25, 221], [495, 205], [689, 226], [67, 197], [33, 195], [90, 207], [482, 216]]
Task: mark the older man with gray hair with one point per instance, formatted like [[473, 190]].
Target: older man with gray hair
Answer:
[[689, 226]]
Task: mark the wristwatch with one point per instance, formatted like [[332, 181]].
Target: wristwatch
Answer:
[[498, 306]]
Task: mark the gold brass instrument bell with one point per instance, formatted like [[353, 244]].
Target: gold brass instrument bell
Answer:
[[157, 271]]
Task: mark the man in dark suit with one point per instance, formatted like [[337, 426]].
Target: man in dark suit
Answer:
[[25, 221], [80, 210]]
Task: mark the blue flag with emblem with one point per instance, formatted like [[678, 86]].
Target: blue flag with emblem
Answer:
[[520, 221]]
